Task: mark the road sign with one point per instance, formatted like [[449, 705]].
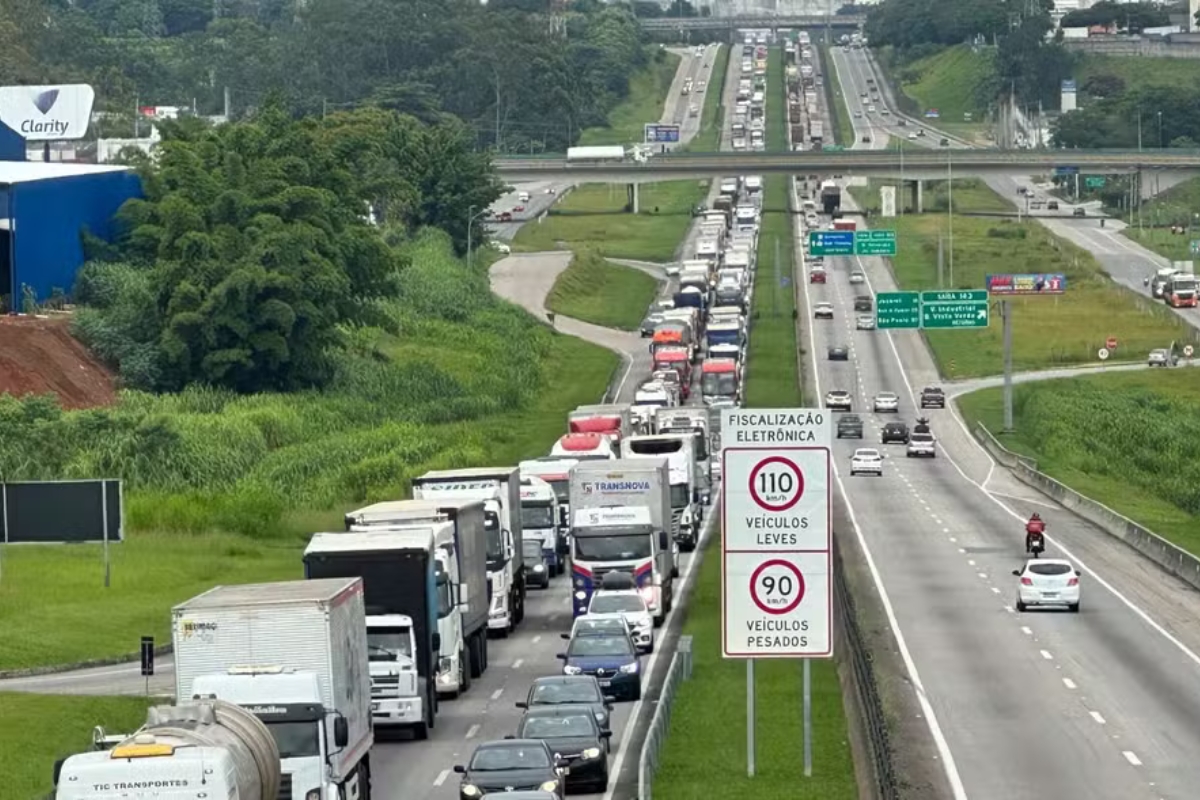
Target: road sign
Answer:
[[1094, 182], [776, 588], [875, 243], [1111, 343], [1066, 170], [658, 134], [955, 309], [1187, 351], [1194, 246], [1103, 353], [831, 243], [898, 310], [1025, 284]]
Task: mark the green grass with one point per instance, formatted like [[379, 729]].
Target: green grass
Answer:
[[843, 125], [1047, 331], [1178, 205], [1130, 440], [46, 728], [948, 82], [775, 104], [968, 195], [594, 216], [648, 92], [709, 714], [708, 138], [1138, 73], [1163, 242], [602, 293]]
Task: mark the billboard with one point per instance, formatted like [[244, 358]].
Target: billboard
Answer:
[[661, 134], [1069, 96], [1026, 284], [47, 113], [53, 512]]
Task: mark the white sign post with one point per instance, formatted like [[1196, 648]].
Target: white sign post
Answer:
[[776, 566]]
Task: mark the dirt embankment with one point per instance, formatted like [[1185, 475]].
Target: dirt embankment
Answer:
[[39, 356]]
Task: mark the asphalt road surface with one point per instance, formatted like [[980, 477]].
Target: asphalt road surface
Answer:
[[1099, 705]]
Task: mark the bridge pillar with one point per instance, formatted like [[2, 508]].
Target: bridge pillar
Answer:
[[918, 197], [635, 197]]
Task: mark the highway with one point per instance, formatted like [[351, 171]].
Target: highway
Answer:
[[1100, 705]]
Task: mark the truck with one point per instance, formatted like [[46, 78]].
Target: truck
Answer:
[[539, 519], [693, 420], [831, 197], [816, 131], [599, 153], [556, 472], [500, 490], [845, 225], [687, 509], [294, 654], [461, 575], [620, 522], [611, 419], [213, 744]]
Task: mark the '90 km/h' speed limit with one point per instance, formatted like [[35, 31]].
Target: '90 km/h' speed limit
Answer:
[[776, 484], [777, 586]]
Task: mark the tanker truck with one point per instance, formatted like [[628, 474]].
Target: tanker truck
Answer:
[[205, 748]]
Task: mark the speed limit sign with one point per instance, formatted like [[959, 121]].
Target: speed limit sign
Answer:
[[1187, 351], [777, 586]]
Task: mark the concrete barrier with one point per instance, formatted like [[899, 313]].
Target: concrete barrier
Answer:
[[1175, 560]]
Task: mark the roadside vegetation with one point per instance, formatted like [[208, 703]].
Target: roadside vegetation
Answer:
[[602, 293], [1169, 222], [1047, 331], [709, 714], [968, 196], [835, 100], [953, 81], [712, 119], [1130, 440], [649, 89]]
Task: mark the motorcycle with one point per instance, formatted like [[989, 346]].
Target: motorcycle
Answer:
[[1035, 543]]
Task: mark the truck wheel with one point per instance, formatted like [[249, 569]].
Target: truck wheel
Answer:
[[475, 657], [518, 615], [464, 673], [421, 731]]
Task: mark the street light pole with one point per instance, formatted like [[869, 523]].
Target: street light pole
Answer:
[[470, 225], [950, 208]]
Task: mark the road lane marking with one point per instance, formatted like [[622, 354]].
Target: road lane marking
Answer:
[[1070, 684], [982, 575], [952, 538], [471, 731], [970, 563], [995, 590], [1096, 716], [1046, 654], [441, 778], [517, 664], [537, 639], [1025, 629], [1132, 758], [496, 694]]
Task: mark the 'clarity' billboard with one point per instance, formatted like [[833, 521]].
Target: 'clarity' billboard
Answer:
[[47, 113]]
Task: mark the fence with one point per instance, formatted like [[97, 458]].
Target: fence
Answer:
[[660, 726]]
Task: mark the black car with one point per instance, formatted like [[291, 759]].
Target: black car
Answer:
[[520, 796], [839, 352], [572, 690], [895, 433], [933, 397], [850, 426], [863, 303], [512, 765], [537, 571], [652, 321], [573, 734]]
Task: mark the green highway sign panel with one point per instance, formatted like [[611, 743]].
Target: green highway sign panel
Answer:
[[875, 243], [1194, 246], [965, 314], [831, 243], [956, 296], [898, 310], [1094, 182]]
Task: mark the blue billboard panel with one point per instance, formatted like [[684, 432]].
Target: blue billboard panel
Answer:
[[1068, 86], [661, 134], [1025, 284]]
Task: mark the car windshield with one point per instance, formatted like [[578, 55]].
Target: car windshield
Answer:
[[586, 626], [1050, 569], [495, 759], [922, 437], [885, 396], [616, 603], [532, 548], [576, 691], [932, 390], [558, 725], [589, 646]]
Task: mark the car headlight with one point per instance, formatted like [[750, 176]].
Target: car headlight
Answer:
[[539, 568], [571, 670], [590, 753], [629, 669], [600, 716], [549, 786], [581, 595], [469, 790]]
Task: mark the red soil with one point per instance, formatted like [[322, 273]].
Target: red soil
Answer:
[[39, 356]]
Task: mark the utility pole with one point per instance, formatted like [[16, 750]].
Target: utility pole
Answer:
[[1006, 316]]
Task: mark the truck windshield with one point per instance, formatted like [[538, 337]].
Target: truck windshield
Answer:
[[621, 547], [296, 739], [1185, 286], [537, 516], [655, 447], [384, 644], [495, 541], [445, 601], [680, 496], [715, 384]]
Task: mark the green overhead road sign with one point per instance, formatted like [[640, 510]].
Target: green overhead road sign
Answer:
[[1194, 246], [954, 309], [1094, 182], [875, 243], [898, 310]]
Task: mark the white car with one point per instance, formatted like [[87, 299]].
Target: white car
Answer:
[[630, 606], [887, 401], [857, 277], [922, 445], [839, 399], [866, 461], [870, 109], [823, 310], [1048, 582], [865, 322], [1159, 358], [884, 111]]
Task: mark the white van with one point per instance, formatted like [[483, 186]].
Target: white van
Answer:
[[753, 183]]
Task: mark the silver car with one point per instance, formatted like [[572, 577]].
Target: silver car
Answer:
[[857, 277], [839, 399], [887, 401], [866, 322], [1160, 358]]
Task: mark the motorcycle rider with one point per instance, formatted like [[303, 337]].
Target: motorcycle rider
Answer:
[[1035, 526]]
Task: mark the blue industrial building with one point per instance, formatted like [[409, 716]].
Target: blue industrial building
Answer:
[[44, 209]]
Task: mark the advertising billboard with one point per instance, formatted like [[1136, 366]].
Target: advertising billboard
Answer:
[[1025, 284], [47, 113]]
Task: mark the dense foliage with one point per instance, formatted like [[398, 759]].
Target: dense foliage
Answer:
[[1128, 17], [495, 65], [1152, 116], [252, 249]]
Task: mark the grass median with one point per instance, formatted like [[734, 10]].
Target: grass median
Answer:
[[1130, 440], [1048, 332], [602, 293], [968, 195], [835, 98]]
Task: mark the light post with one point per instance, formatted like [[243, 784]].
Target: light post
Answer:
[[471, 217], [1160, 131]]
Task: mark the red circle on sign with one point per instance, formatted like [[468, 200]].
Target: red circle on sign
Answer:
[[790, 567], [758, 471], [1111, 344]]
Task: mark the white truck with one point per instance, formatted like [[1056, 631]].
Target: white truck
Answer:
[[693, 420], [294, 654], [555, 471], [620, 522], [687, 508], [500, 490], [540, 519], [207, 748], [460, 572]]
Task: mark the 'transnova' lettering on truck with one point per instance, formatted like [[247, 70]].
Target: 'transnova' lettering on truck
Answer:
[[614, 487]]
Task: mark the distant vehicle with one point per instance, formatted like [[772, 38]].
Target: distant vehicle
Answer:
[[871, 109], [884, 112], [572, 734], [1052, 205], [921, 445], [630, 607], [850, 426], [537, 571], [866, 461], [857, 277], [858, 115], [1048, 582], [894, 433], [863, 303], [816, 275], [944, 142], [823, 310], [1159, 358], [516, 764], [933, 397], [866, 138], [887, 401], [839, 399], [580, 690], [650, 323], [901, 122], [839, 352], [865, 322]]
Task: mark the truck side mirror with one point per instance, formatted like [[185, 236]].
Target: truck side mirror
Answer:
[[561, 656], [437, 642], [341, 732]]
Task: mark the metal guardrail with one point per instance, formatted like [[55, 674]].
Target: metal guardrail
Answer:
[[752, 22], [871, 704], [656, 735]]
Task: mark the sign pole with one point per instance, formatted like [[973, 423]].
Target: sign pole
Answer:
[[750, 717], [104, 524], [808, 717], [1006, 316]]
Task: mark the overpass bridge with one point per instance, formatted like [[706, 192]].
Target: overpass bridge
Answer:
[[756, 22], [905, 165]]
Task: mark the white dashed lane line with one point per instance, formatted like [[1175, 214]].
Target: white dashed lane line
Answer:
[[496, 694], [441, 778], [1046, 654], [1070, 684], [1132, 758], [1096, 716], [471, 731]]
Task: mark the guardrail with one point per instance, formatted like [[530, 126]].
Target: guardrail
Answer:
[[750, 22], [660, 726], [1173, 559]]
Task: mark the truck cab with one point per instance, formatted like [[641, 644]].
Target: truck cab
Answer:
[[687, 511], [724, 332], [610, 419], [621, 539], [695, 422], [720, 383], [678, 359], [540, 519], [557, 473]]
